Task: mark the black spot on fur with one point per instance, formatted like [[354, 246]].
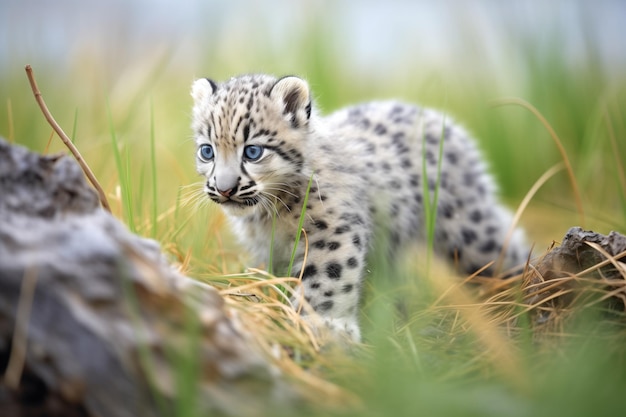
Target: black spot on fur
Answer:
[[320, 244], [432, 139], [352, 218], [469, 179], [380, 129], [355, 113], [394, 239], [395, 110], [446, 210], [347, 288], [356, 240], [333, 245], [476, 216], [290, 155], [342, 229], [394, 210], [321, 224], [469, 236], [352, 262], [325, 306], [333, 270], [309, 271], [246, 132], [452, 158], [430, 158], [491, 230], [364, 123], [395, 184], [489, 246], [398, 142], [328, 294]]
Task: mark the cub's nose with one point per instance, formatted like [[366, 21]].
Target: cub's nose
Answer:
[[226, 185], [226, 193]]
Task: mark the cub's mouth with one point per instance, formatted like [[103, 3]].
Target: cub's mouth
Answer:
[[234, 202]]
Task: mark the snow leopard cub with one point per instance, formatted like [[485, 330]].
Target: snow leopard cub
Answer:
[[259, 140]]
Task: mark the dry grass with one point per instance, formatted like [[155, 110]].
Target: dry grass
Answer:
[[498, 314]]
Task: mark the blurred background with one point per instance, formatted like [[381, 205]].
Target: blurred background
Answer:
[[116, 74]]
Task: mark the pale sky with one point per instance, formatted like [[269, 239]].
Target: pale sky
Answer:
[[369, 33]]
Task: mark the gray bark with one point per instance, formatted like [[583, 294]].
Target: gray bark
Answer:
[[111, 323], [557, 283]]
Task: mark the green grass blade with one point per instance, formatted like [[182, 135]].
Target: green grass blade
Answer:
[[431, 226], [428, 215], [124, 179], [153, 169], [300, 224], [188, 366], [270, 266], [430, 204], [73, 136]]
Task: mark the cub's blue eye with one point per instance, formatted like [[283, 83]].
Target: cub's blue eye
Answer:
[[253, 152], [205, 152]]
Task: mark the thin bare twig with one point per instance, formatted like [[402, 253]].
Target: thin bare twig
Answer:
[[66, 140]]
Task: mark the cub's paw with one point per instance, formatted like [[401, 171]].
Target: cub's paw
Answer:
[[342, 331]]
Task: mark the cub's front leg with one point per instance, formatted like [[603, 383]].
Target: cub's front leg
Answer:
[[333, 273]]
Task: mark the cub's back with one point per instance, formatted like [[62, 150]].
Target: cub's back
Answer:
[[397, 151]]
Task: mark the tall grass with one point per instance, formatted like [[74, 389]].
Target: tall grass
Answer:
[[300, 227], [124, 175], [431, 196]]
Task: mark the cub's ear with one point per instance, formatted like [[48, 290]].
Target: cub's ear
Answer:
[[202, 88], [293, 93]]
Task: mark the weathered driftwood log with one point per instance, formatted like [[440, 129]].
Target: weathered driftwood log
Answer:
[[586, 268], [94, 321]]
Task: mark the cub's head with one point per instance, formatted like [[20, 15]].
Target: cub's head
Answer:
[[250, 133]]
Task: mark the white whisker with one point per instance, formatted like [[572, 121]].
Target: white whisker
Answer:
[[279, 186], [193, 195], [268, 205], [277, 199]]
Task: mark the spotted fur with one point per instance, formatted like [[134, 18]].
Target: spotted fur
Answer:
[[367, 166]]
